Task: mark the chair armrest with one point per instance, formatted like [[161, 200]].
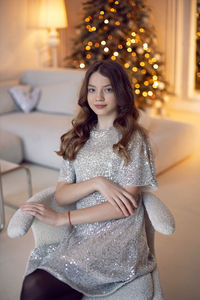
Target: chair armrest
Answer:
[[161, 218], [20, 222]]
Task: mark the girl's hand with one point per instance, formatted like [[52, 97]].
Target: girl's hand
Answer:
[[122, 200], [44, 213]]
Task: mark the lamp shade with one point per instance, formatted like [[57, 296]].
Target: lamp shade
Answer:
[[52, 14]]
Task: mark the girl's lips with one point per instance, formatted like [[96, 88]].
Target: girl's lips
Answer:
[[100, 106]]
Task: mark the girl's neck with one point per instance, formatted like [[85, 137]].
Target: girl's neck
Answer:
[[104, 122]]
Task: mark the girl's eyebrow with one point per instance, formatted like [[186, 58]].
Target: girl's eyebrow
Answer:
[[104, 85]]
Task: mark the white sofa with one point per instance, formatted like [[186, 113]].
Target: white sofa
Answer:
[[34, 136]]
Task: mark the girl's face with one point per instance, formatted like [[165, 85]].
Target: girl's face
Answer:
[[101, 97]]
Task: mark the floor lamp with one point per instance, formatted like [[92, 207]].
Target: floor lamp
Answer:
[[52, 15]]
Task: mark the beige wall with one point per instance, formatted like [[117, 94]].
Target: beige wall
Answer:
[[22, 47]]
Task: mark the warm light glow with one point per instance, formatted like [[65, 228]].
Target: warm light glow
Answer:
[[155, 77], [103, 43], [82, 65], [137, 92], [128, 43], [142, 64], [142, 30], [96, 45], [87, 48], [155, 84], [134, 69], [106, 49], [113, 57], [106, 21], [145, 94], [133, 34], [145, 46], [146, 83], [126, 65], [150, 93], [129, 49], [90, 43], [120, 46], [52, 14], [137, 85], [117, 23], [102, 12], [116, 53], [155, 66]]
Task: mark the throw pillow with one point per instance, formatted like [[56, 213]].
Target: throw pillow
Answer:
[[25, 97], [59, 98]]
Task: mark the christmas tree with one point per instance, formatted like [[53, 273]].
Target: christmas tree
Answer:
[[121, 31]]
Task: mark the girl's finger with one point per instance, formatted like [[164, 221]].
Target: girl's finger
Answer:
[[126, 203], [130, 198], [121, 205]]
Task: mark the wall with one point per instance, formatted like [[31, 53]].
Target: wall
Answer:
[[23, 47]]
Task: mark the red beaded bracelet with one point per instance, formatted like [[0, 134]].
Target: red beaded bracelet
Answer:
[[69, 217]]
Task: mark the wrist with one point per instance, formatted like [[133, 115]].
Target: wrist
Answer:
[[62, 219], [97, 181]]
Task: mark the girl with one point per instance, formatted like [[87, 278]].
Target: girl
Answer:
[[107, 163]]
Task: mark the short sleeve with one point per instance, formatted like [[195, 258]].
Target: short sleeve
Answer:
[[67, 172], [141, 169]]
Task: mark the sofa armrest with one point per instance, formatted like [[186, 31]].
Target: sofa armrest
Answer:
[[159, 215]]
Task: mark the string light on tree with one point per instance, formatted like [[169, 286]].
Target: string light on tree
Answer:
[[109, 30]]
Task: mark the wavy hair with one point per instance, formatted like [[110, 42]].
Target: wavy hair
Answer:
[[86, 119]]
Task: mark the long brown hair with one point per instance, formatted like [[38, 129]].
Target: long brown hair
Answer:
[[127, 113]]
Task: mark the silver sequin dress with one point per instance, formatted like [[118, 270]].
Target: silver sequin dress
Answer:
[[98, 258]]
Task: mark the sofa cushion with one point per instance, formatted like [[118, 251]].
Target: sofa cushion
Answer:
[[7, 104], [172, 142], [49, 76], [11, 147], [40, 134], [59, 98]]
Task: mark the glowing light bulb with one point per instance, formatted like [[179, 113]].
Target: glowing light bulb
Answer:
[[102, 12], [87, 48], [145, 46], [155, 84], [142, 64], [155, 66], [82, 65], [134, 69], [137, 91], [129, 49], [116, 53], [103, 43], [106, 49], [113, 57], [126, 65], [150, 93], [106, 21], [144, 94], [146, 83]]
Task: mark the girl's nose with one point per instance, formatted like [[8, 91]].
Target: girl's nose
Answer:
[[100, 95]]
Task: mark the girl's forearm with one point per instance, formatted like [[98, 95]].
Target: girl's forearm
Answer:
[[98, 213], [67, 193]]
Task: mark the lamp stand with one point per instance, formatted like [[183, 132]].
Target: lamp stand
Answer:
[[53, 42]]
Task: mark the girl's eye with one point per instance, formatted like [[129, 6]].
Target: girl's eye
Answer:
[[108, 90], [91, 90]]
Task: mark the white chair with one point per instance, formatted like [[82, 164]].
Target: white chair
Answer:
[[157, 217]]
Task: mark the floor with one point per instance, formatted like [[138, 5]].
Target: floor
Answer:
[[177, 255]]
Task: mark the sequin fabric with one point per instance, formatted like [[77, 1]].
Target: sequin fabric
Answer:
[[99, 258]]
